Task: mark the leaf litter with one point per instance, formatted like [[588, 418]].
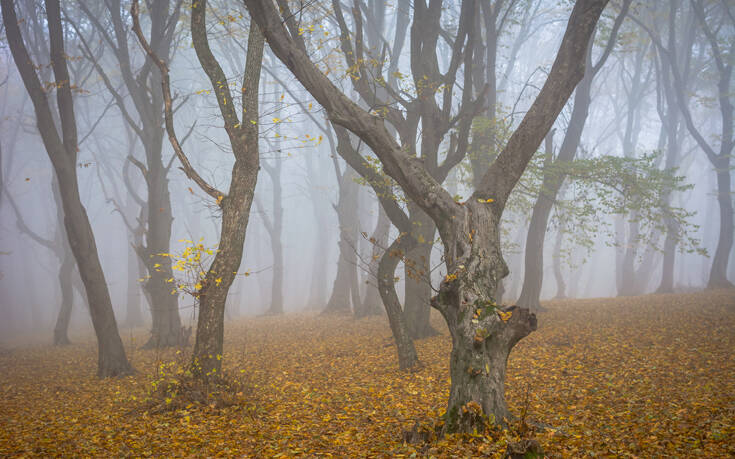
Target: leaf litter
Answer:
[[648, 376]]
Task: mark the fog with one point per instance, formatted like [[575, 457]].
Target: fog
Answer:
[[308, 183], [273, 221]]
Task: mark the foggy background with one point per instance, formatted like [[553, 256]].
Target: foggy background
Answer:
[[29, 291]]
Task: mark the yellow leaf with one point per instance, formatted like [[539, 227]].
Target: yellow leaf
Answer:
[[504, 315]]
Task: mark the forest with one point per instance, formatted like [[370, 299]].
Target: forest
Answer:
[[361, 228]]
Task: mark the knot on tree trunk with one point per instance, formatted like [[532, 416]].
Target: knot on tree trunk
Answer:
[[521, 323]]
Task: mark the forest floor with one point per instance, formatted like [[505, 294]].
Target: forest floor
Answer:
[[649, 376]]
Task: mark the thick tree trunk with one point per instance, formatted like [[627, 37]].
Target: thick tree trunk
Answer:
[[407, 357], [111, 358], [207, 356], [469, 230], [483, 334]]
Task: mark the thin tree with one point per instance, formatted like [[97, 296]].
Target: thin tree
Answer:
[[62, 149], [142, 84], [242, 133], [553, 180]]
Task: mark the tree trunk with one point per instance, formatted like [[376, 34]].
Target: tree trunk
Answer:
[[628, 271], [275, 230], [469, 230], [561, 287], [718, 272], [407, 357], [66, 271], [166, 330], [372, 304], [133, 313], [346, 208], [667, 272], [417, 304], [318, 286], [482, 333], [533, 273]]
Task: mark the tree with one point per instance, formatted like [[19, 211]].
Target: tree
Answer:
[[274, 227], [61, 148], [715, 21], [242, 133], [552, 182], [143, 88], [482, 334], [59, 246]]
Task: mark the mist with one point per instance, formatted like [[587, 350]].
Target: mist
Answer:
[[426, 173]]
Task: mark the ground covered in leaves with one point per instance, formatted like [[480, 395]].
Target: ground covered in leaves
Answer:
[[650, 376]]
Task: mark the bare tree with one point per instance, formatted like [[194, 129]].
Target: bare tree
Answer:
[[242, 133], [61, 147], [714, 20], [482, 334], [143, 89]]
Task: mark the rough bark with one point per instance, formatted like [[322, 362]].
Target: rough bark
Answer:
[[243, 137], [62, 150]]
